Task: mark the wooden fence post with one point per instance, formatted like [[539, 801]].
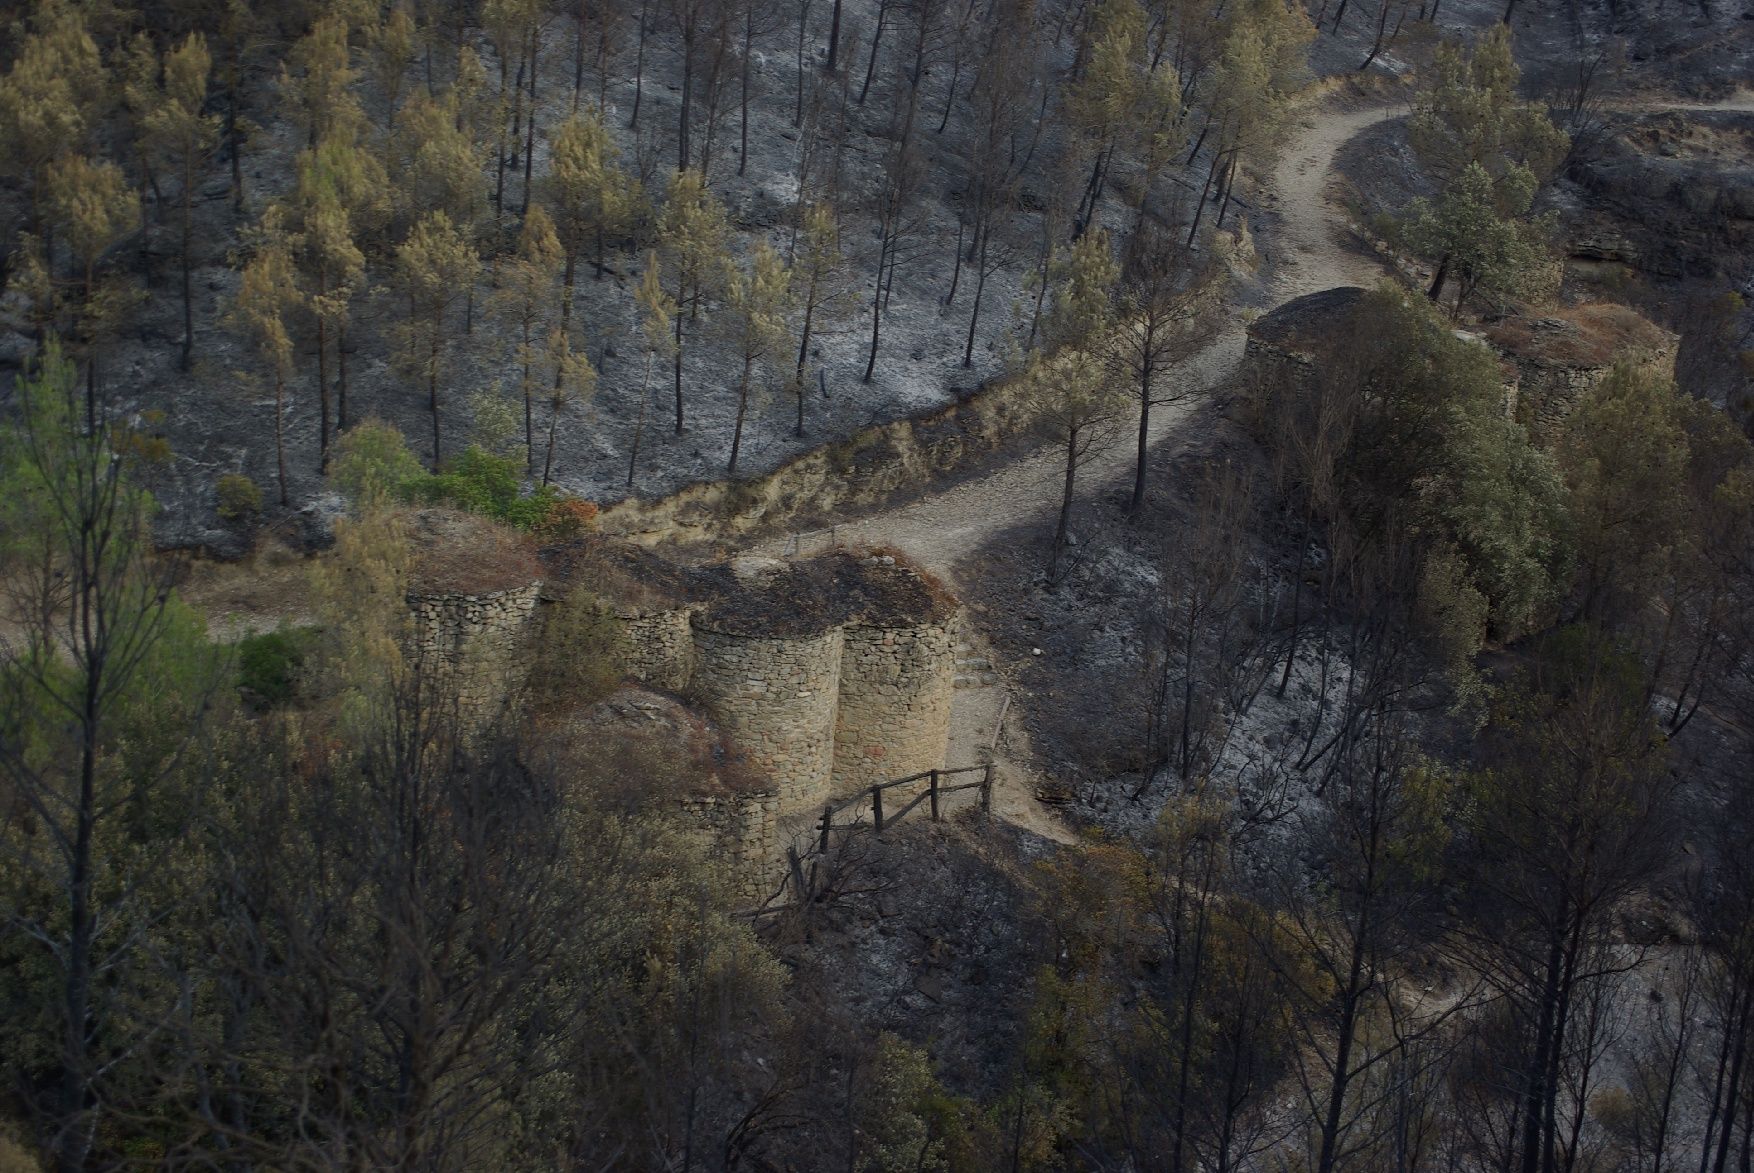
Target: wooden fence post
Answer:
[[934, 796], [877, 805], [800, 890], [987, 790]]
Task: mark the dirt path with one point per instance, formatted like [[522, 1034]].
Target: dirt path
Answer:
[[1307, 255], [944, 528]]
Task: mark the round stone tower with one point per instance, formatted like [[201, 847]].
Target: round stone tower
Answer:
[[897, 677], [472, 593], [774, 694]]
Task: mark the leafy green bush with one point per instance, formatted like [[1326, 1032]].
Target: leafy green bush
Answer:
[[374, 461], [240, 499], [269, 665]]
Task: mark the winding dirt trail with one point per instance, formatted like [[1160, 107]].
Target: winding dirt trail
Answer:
[[942, 529]]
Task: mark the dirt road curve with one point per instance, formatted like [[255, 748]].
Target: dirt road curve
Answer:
[[945, 527]]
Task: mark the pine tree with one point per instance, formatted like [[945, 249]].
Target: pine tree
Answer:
[[692, 235], [103, 675], [439, 164], [94, 208], [1490, 152], [509, 24], [175, 131], [392, 42], [436, 267], [755, 309], [334, 267], [318, 79], [1074, 399], [575, 381], [266, 296], [657, 313], [51, 98], [591, 198], [820, 275], [527, 288], [342, 189], [1103, 103]]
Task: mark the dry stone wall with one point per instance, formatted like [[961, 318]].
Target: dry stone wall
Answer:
[[776, 697], [475, 639], [893, 719], [657, 647], [744, 828]]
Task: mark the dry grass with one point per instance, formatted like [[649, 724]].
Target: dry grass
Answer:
[[462, 553], [630, 578], [256, 593], [1594, 334]]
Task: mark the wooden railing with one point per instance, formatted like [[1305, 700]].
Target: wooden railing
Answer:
[[794, 547], [804, 882], [934, 792]]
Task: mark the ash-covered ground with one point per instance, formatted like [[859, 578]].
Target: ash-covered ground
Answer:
[[218, 418]]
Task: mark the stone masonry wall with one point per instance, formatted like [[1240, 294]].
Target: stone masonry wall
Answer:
[[476, 638], [896, 685], [658, 648], [742, 827], [1549, 391], [776, 699]]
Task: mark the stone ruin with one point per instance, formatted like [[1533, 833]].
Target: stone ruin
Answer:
[[832, 673], [824, 675], [1561, 356], [472, 592], [1549, 362]]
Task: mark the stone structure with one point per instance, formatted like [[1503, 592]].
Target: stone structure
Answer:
[[475, 636], [775, 696], [1560, 357], [1283, 345], [473, 590], [822, 675], [658, 646], [831, 673], [896, 684], [742, 828]]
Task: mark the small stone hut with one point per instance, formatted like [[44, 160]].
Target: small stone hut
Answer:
[[644, 740], [651, 600], [1561, 356], [1284, 343], [897, 676]]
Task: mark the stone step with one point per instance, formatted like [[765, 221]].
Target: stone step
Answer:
[[974, 664], [975, 680]]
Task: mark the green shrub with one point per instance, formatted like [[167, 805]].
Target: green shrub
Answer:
[[240, 499], [269, 665], [372, 461], [480, 482]]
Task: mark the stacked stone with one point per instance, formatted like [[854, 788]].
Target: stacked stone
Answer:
[[743, 827], [775, 697], [657, 647], [1283, 345], [474, 639], [896, 685], [1560, 359]]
